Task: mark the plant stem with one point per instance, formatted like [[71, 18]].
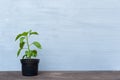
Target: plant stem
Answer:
[[28, 45]]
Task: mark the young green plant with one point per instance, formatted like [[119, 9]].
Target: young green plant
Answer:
[[24, 40]]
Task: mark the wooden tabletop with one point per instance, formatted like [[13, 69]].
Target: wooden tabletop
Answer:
[[62, 75]]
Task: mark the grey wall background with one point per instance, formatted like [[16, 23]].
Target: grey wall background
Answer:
[[75, 34]]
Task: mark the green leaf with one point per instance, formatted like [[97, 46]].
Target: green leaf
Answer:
[[22, 45], [24, 34], [18, 53], [28, 54], [18, 36], [37, 44], [34, 53], [22, 39], [33, 33]]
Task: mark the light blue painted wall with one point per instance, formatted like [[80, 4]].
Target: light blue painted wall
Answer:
[[75, 34]]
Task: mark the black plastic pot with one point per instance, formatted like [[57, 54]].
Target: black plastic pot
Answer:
[[29, 67]]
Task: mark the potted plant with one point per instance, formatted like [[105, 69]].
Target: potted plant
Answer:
[[28, 61]]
